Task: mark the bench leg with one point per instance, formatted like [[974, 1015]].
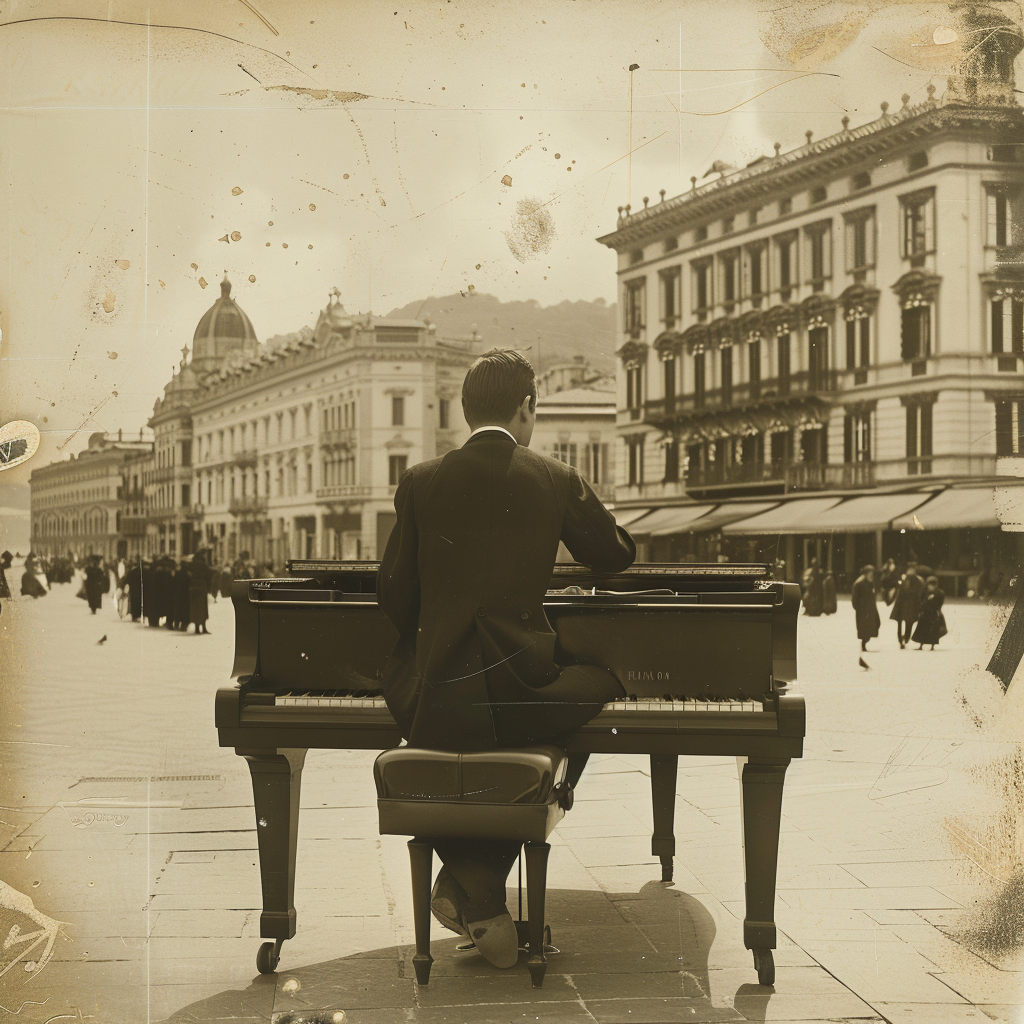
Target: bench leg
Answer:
[[663, 802], [536, 890], [421, 855]]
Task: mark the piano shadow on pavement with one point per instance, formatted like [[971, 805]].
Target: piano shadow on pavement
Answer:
[[624, 956]]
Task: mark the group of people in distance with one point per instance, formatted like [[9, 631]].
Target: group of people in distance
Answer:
[[916, 605], [160, 590], [818, 590]]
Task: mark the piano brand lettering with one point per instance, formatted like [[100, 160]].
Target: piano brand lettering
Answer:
[[90, 818], [638, 675]]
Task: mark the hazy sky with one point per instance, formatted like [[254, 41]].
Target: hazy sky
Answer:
[[369, 142]]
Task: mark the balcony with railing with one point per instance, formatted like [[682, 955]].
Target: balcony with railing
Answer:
[[339, 437], [248, 506], [769, 391], [784, 476], [812, 476], [195, 513], [245, 458], [342, 492]]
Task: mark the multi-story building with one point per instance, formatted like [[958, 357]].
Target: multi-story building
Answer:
[[79, 505], [297, 452], [577, 427], [844, 318]]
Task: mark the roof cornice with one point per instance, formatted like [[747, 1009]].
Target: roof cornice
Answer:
[[808, 163]]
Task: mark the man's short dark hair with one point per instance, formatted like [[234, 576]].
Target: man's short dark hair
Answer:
[[496, 385]]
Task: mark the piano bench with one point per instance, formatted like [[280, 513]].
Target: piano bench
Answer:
[[517, 795]]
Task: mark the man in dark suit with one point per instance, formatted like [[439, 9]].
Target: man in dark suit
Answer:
[[463, 579]]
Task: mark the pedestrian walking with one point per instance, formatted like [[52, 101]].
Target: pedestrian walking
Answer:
[[813, 591], [931, 624], [133, 584], [906, 606], [199, 587], [888, 579], [96, 583], [863, 599], [5, 564], [829, 604], [31, 585], [182, 587]]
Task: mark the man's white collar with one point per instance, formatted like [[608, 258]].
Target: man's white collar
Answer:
[[480, 430]]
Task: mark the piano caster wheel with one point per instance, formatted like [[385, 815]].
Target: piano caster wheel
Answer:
[[268, 957], [764, 964]]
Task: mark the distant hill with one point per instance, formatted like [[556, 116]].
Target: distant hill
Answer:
[[548, 334]]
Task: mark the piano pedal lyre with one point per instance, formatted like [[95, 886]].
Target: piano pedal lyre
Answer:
[[269, 956]]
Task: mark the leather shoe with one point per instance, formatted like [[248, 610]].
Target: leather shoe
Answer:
[[495, 938], [447, 900]]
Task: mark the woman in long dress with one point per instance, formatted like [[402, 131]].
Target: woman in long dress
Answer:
[[5, 564], [30, 583], [97, 581], [199, 587], [931, 624]]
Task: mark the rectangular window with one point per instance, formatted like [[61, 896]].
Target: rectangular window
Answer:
[[669, 368], [757, 279], [860, 240], [1008, 324], [186, 495], [595, 464], [782, 345], [754, 367], [397, 411], [442, 413], [633, 306], [915, 332], [918, 236], [635, 447], [726, 362], [292, 414], [857, 437], [787, 261], [699, 380], [396, 468], [1009, 428], [919, 437], [858, 343], [669, 283], [671, 462], [309, 477], [565, 452], [730, 285], [998, 228], [701, 285], [634, 398], [186, 453], [817, 358], [819, 252]]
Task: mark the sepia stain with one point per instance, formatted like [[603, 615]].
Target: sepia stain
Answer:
[[19, 441], [236, 191], [252, 279], [532, 231], [329, 95], [163, 284], [42, 932], [202, 282], [236, 236], [194, 266], [108, 301], [223, 238], [111, 355], [123, 264], [312, 206], [507, 180]]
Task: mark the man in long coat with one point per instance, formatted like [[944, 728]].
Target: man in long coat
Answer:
[[463, 579], [863, 599], [906, 608], [199, 586]]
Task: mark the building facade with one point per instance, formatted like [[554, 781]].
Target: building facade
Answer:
[[79, 505], [844, 318]]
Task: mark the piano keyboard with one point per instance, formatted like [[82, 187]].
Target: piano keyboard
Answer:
[[632, 703]]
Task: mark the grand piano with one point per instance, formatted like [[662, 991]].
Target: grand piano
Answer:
[[705, 653]]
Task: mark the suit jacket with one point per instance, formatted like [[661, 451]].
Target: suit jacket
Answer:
[[463, 579]]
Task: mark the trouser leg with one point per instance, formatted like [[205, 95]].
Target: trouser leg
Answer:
[[481, 869]]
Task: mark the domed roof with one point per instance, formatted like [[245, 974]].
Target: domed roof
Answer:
[[225, 319]]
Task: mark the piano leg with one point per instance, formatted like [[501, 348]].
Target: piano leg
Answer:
[[761, 783], [663, 802], [276, 777]]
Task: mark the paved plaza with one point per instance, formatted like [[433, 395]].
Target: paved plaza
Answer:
[[128, 842]]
